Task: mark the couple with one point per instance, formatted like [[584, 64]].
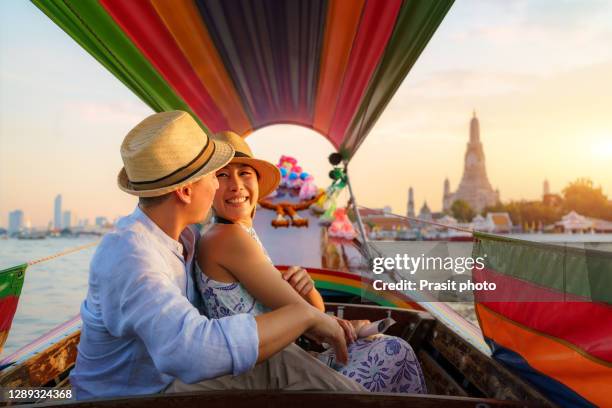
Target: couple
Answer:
[[167, 311]]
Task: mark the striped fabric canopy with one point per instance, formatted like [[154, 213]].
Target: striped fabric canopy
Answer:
[[330, 65], [550, 318]]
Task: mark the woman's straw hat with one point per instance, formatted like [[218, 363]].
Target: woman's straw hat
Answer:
[[269, 175], [166, 151]]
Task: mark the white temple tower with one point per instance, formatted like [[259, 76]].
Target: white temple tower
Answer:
[[474, 187], [410, 210]]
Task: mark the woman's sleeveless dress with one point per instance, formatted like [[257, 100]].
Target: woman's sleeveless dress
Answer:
[[380, 363]]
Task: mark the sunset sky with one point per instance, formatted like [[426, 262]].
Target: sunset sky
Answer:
[[538, 73]]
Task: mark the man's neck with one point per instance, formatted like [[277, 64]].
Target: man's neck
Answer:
[[167, 219]]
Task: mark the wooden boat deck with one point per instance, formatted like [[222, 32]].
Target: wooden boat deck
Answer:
[[456, 373]]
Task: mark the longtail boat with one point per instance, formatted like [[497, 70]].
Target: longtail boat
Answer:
[[333, 66]]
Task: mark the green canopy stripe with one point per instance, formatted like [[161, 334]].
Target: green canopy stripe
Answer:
[[416, 24], [88, 23], [579, 271]]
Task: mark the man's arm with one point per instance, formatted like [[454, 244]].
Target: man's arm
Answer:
[[139, 299]]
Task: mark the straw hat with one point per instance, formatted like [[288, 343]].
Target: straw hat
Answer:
[[166, 151], [269, 175]]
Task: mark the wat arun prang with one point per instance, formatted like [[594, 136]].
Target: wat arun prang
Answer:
[[474, 187]]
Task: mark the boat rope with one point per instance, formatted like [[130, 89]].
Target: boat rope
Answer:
[[418, 220], [66, 252]]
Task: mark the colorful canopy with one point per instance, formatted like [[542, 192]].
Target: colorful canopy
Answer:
[[549, 318], [330, 65]]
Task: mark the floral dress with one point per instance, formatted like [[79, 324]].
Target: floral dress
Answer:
[[380, 363]]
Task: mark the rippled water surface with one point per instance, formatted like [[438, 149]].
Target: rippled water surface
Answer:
[[52, 291]]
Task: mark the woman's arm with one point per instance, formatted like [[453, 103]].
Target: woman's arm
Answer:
[[279, 328], [233, 249]]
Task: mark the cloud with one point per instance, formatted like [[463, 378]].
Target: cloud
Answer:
[[468, 83], [563, 14], [107, 112]]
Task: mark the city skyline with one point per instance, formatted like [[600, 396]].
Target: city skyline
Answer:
[[544, 113]]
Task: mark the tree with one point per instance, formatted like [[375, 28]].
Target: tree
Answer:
[[462, 211], [581, 196]]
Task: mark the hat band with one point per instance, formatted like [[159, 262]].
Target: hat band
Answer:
[[240, 154], [180, 174]]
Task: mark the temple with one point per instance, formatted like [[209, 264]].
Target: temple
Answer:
[[474, 187]]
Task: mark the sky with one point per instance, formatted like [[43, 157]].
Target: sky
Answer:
[[538, 73]]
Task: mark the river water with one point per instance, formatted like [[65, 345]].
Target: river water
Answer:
[[53, 290]]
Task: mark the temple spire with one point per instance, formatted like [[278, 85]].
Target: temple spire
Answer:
[[474, 129]]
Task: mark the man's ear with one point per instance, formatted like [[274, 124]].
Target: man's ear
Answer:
[[184, 193]]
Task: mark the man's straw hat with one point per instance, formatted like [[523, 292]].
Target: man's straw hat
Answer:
[[269, 175], [166, 151]]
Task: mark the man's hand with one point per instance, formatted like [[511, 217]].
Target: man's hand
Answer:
[[327, 330], [299, 279]]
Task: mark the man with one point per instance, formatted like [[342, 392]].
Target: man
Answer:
[[142, 332]]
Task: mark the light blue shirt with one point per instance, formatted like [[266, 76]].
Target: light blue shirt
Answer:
[[141, 323]]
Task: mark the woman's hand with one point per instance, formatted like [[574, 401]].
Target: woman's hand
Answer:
[[299, 279], [351, 328], [326, 329], [350, 334], [358, 324]]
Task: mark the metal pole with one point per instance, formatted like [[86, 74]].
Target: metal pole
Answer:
[[357, 215]]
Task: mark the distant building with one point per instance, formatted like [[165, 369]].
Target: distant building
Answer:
[[548, 198], [387, 228], [67, 219], [602, 226], [499, 222], [447, 197], [479, 223], [368, 212], [57, 212], [474, 187], [425, 213], [410, 210], [447, 220], [15, 223], [545, 189], [574, 222], [101, 221]]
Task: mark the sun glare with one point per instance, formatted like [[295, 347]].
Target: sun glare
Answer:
[[603, 147]]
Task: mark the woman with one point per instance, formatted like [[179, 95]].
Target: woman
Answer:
[[240, 277]]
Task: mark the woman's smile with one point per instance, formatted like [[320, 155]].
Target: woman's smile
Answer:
[[237, 201], [237, 195]]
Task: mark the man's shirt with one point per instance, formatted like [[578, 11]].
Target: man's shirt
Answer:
[[141, 329]]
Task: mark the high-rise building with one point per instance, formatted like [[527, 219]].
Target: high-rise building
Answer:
[[101, 221], [410, 209], [545, 188], [67, 219], [15, 223], [474, 187], [57, 212], [447, 196]]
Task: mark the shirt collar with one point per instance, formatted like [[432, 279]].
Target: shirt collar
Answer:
[[187, 235]]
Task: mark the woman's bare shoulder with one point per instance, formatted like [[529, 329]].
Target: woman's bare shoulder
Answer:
[[225, 238]]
